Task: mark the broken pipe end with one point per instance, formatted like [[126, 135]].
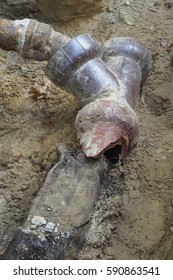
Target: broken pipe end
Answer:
[[105, 125]]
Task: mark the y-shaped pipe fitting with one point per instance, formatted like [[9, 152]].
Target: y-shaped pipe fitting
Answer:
[[108, 91]]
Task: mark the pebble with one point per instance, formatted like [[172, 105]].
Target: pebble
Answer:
[[49, 227], [38, 221], [163, 157], [33, 227], [65, 234], [24, 187], [56, 229], [133, 176]]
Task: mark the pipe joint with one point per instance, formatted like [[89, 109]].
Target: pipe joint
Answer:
[[70, 57]]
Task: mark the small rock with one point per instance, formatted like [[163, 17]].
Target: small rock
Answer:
[[110, 9], [24, 187], [163, 157], [33, 227], [49, 227], [133, 176], [38, 221], [65, 234]]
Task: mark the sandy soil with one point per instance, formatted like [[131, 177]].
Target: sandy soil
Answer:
[[134, 215]]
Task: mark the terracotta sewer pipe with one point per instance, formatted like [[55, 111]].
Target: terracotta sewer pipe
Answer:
[[30, 38], [107, 90]]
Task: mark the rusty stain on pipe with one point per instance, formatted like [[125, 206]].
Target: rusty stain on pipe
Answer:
[[30, 38]]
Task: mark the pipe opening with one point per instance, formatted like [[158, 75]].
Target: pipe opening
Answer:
[[113, 154]]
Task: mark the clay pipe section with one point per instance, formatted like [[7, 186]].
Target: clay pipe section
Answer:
[[30, 38], [130, 61], [108, 92]]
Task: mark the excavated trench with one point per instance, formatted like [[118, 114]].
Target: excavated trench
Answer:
[[133, 213]]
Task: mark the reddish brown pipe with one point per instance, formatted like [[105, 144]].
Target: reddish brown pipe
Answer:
[[30, 38]]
